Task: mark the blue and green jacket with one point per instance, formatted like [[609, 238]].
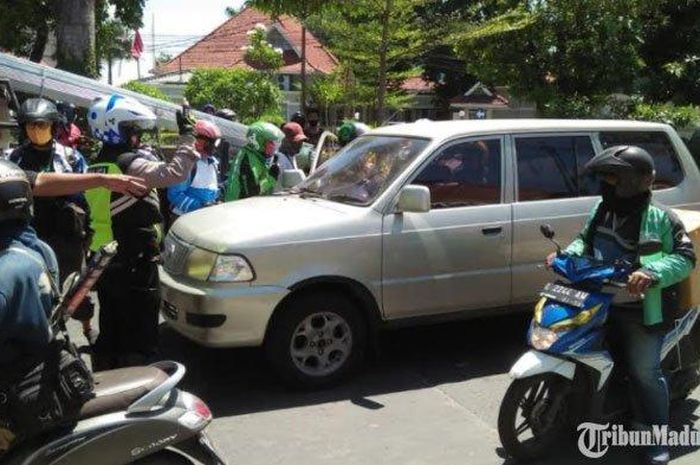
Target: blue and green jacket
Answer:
[[668, 267]]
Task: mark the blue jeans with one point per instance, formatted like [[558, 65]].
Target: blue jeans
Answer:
[[639, 352]]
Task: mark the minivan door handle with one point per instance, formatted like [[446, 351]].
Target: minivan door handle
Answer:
[[493, 231]]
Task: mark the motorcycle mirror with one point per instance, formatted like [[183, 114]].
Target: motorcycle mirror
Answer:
[[650, 247], [547, 231]]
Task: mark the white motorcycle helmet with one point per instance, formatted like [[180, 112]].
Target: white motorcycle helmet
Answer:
[[111, 118]]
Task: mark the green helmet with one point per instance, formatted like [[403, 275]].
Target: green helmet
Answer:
[[350, 130], [260, 134]]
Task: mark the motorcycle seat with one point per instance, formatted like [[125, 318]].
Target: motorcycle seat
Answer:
[[116, 390]]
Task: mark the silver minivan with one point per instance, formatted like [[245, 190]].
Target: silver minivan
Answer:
[[410, 223]]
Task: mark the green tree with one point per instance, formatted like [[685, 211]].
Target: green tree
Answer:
[[440, 63], [113, 43], [260, 54], [379, 40], [569, 49], [145, 89], [300, 9], [250, 93], [671, 50], [25, 26]]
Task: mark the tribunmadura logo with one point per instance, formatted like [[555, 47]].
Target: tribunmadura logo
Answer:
[[595, 439]]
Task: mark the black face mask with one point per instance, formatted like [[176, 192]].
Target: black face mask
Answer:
[[622, 205]]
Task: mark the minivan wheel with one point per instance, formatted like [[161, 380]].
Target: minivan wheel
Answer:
[[316, 339]]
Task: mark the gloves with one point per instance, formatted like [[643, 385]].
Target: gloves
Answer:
[[275, 171], [185, 124]]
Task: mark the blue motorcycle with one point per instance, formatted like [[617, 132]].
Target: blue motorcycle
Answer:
[[568, 376]]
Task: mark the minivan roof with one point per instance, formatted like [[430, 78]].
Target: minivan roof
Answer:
[[447, 129]]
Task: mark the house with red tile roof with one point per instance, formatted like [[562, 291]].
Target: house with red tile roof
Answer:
[[224, 47]]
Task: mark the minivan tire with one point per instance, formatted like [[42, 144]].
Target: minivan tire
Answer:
[[335, 324]]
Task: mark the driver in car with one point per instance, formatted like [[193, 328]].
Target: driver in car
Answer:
[[623, 219]]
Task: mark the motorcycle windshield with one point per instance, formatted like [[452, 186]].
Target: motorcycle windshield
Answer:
[[577, 269]]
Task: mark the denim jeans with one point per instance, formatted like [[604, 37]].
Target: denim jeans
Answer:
[[639, 352]]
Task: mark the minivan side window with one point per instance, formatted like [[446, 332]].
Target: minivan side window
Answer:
[[669, 172], [551, 167], [464, 174]]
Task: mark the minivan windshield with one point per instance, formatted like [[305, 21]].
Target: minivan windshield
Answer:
[[360, 172]]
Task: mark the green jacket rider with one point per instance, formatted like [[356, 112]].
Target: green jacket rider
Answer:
[[251, 172]]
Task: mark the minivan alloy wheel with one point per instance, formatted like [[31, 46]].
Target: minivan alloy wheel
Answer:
[[321, 343]]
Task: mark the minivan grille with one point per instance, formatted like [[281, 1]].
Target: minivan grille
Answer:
[[175, 253]]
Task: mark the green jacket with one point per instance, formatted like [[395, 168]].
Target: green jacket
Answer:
[[248, 176], [669, 266]]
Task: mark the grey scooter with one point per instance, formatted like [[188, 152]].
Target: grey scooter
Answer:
[[137, 415]]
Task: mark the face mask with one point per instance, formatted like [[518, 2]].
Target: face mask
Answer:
[[313, 123], [39, 135], [270, 148]]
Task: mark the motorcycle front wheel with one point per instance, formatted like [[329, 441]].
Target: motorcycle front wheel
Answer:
[[534, 413]]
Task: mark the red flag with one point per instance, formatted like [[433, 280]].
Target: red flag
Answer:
[[137, 46]]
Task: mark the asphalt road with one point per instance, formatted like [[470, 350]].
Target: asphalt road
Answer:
[[430, 396]]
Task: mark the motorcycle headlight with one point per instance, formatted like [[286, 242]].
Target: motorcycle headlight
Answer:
[[542, 338], [208, 266], [231, 268]]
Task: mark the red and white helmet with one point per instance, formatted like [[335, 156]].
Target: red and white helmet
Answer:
[[207, 129]]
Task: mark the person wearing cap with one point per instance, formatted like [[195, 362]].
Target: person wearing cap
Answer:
[[292, 144], [201, 188]]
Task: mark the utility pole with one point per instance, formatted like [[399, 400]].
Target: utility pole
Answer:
[[153, 38], [303, 58]]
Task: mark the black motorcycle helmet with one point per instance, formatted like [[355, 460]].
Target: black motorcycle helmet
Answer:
[[66, 111], [15, 194], [38, 109], [298, 118], [632, 168]]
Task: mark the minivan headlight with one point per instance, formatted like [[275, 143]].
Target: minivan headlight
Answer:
[[203, 265], [231, 268]]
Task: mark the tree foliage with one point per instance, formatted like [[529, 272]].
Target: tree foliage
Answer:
[[260, 54], [145, 89], [671, 50], [379, 40], [569, 55], [249, 93], [25, 26], [545, 50]]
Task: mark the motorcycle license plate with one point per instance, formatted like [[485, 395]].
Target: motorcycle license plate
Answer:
[[565, 295]]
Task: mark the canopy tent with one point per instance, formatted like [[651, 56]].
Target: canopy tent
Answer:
[[36, 79]]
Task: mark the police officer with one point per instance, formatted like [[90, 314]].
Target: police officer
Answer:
[[129, 291]]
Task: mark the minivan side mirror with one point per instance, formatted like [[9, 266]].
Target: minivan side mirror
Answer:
[[414, 199], [291, 178]]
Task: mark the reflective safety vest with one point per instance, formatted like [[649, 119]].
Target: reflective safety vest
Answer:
[[100, 200], [105, 206]]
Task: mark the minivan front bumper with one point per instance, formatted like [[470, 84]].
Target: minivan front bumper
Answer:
[[219, 315]]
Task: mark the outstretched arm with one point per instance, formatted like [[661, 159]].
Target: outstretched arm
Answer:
[[60, 184]]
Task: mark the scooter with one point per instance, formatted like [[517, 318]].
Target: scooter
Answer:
[[137, 414], [569, 376]]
